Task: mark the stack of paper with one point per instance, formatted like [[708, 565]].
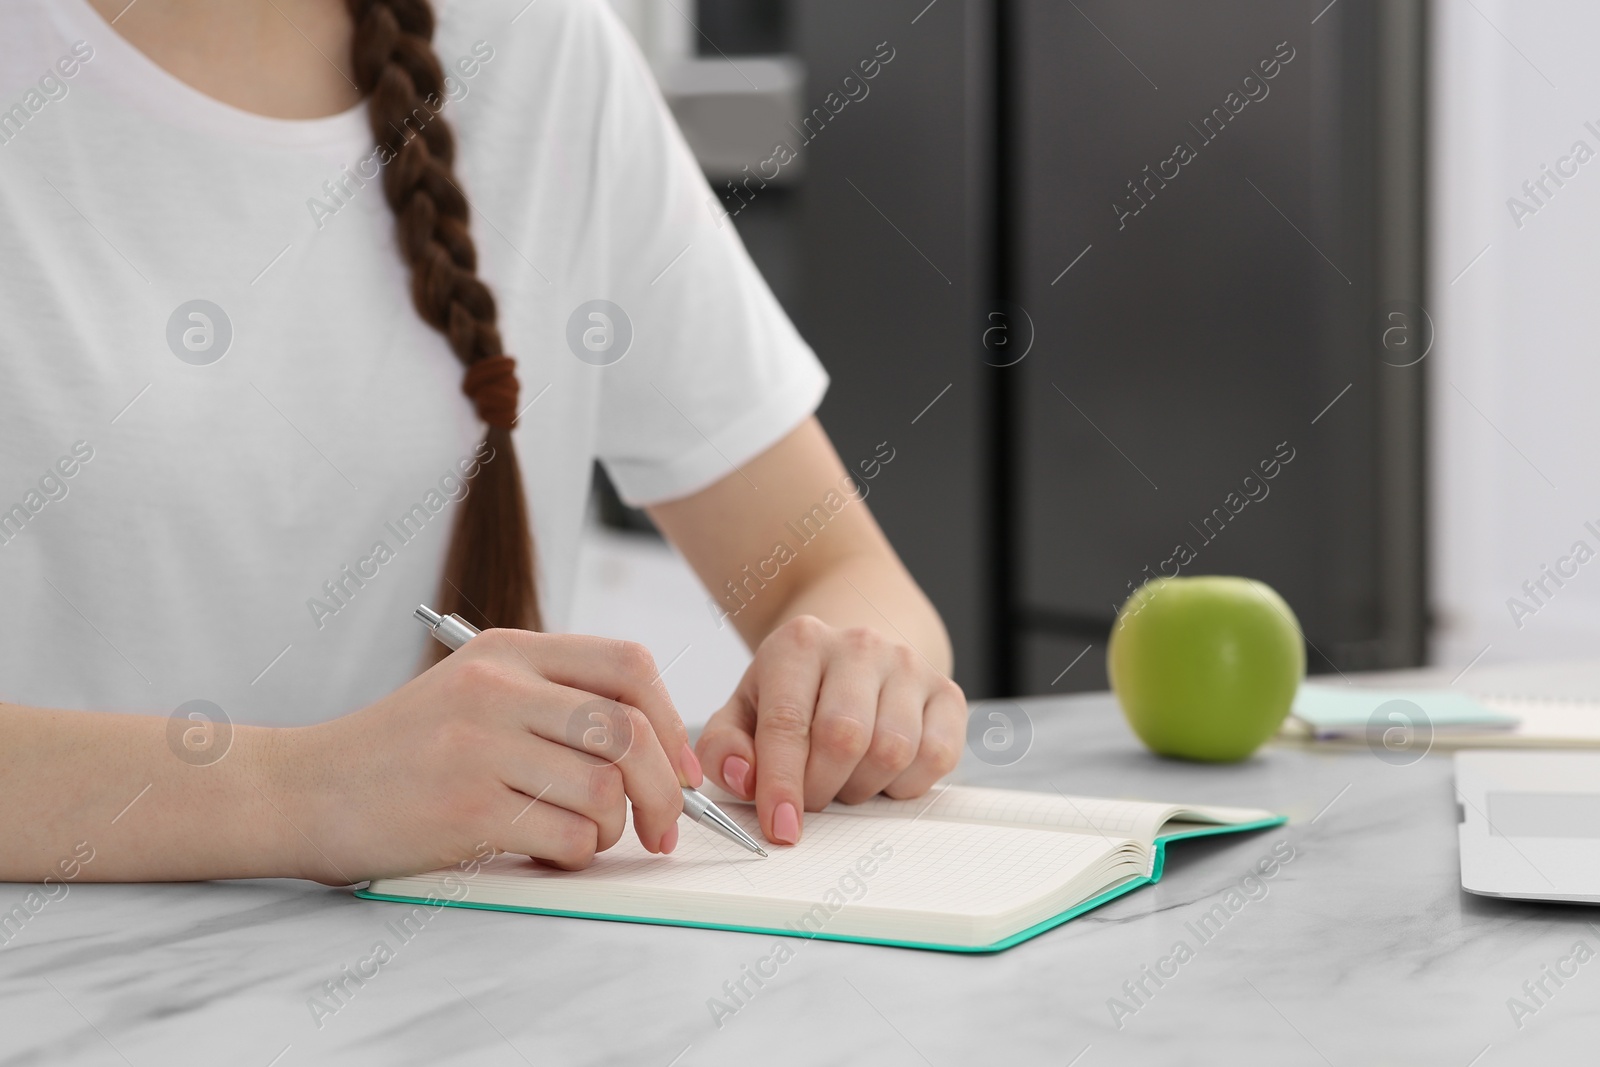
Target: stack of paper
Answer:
[[1337, 712], [1329, 711]]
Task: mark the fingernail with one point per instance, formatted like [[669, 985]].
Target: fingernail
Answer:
[[669, 840], [786, 823], [735, 771], [691, 767]]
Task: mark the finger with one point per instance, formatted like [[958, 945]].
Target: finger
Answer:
[[553, 774], [896, 735], [622, 671], [944, 732], [786, 698], [620, 734], [727, 746], [652, 785], [555, 835], [841, 730]]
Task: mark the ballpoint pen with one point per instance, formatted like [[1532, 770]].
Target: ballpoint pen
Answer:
[[453, 631]]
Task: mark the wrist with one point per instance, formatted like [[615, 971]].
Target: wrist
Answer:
[[286, 788]]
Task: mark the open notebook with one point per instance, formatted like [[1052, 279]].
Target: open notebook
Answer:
[[963, 870]]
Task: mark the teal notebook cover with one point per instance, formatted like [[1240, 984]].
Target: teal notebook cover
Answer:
[[1157, 866]]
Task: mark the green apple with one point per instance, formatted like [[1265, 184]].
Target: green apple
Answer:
[[1205, 668]]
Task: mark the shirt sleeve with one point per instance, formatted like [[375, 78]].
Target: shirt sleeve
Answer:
[[714, 373]]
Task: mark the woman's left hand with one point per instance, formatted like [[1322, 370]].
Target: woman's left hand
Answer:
[[823, 714]]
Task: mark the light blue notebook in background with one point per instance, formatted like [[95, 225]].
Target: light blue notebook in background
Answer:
[[1345, 710], [963, 870]]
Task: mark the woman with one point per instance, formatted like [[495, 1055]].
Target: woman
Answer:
[[240, 243]]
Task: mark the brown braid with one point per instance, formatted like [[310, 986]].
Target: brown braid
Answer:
[[489, 571]]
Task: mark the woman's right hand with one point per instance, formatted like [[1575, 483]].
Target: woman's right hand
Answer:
[[532, 743]]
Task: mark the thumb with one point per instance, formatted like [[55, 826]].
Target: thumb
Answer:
[[727, 746]]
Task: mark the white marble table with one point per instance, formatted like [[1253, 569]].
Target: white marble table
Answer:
[[1364, 951]]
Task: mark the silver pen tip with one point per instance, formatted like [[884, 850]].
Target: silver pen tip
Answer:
[[761, 852], [428, 615]]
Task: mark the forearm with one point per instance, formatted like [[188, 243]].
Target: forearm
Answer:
[[873, 591], [109, 786], [804, 544]]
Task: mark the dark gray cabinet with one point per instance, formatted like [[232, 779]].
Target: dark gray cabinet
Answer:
[[893, 228], [1222, 173], [1205, 219]]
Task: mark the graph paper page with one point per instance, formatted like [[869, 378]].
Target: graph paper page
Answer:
[[1100, 816], [858, 864]]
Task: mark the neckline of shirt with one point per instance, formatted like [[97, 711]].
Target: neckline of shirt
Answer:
[[133, 74]]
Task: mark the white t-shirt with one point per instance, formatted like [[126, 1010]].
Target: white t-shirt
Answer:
[[170, 520]]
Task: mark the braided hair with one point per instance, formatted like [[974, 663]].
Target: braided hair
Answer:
[[489, 568]]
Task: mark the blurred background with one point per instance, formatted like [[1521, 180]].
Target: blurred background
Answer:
[[1296, 291]]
